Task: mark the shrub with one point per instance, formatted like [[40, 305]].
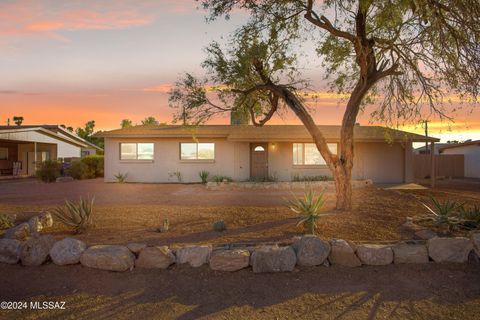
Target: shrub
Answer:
[[307, 209], [121, 177], [219, 226], [78, 216], [79, 170], [48, 170], [298, 178], [6, 221], [165, 226], [222, 179], [270, 178], [95, 165], [204, 176], [444, 212], [470, 217]]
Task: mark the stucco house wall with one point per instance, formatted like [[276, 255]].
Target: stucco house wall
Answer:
[[471, 157], [380, 161]]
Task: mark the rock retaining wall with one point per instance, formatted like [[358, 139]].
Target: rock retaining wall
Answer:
[[282, 185], [304, 251]]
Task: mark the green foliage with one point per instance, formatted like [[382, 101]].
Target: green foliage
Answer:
[[297, 178], [121, 177], [6, 221], [95, 165], [48, 170], [307, 209], [444, 213], [220, 178], [87, 132], [149, 121], [126, 123], [78, 216], [164, 227], [204, 176], [219, 226], [470, 217], [177, 174], [18, 120], [269, 178], [79, 170]]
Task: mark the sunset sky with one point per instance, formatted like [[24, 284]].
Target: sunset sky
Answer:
[[67, 62]]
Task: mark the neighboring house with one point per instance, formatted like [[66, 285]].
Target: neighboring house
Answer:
[[244, 152], [471, 155], [437, 147], [22, 146]]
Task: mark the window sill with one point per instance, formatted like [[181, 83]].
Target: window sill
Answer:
[[197, 161], [310, 166], [136, 161]]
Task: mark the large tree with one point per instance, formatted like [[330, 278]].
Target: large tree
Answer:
[[405, 58]]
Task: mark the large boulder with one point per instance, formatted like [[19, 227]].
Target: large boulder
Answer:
[[155, 257], [410, 253], [343, 254], [311, 250], [36, 249], [46, 219], [136, 247], [67, 251], [108, 257], [449, 249], [230, 260], [476, 243], [273, 259], [194, 255], [10, 250], [375, 254], [425, 234], [20, 232]]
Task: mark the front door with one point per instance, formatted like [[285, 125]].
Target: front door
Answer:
[[258, 160]]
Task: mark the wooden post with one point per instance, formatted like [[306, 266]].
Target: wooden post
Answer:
[[35, 157], [433, 171]]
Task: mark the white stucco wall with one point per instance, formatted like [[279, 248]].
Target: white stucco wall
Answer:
[[381, 162], [471, 157]]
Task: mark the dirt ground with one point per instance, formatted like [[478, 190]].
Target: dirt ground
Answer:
[[132, 212]]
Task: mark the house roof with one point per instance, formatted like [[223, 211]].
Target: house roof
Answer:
[[265, 133], [468, 143], [54, 131]]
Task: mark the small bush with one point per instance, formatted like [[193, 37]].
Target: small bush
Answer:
[[470, 217], [48, 170], [204, 176], [219, 226], [222, 179], [307, 210], [95, 165], [121, 177], [78, 216], [79, 170], [298, 178], [6, 221], [165, 226], [444, 212]]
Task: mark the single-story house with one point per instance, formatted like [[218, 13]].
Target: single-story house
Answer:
[[168, 153], [426, 150], [22, 146], [471, 156]]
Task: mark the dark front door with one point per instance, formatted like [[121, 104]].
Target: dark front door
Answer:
[[258, 160]]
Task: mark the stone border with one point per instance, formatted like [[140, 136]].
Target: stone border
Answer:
[[303, 251], [281, 185]]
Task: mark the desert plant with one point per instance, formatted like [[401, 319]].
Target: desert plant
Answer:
[[121, 177], [6, 221], [79, 170], [78, 216], [48, 170], [219, 226], [219, 178], [470, 217], [307, 209], [443, 212], [95, 165], [165, 226], [204, 176], [297, 178]]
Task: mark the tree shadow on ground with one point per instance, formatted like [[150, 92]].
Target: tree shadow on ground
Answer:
[[182, 292]]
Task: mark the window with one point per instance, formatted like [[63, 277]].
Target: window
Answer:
[[136, 151], [197, 151], [308, 154], [259, 148], [3, 153]]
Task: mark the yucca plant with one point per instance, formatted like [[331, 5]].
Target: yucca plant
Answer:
[[444, 212], [470, 217], [6, 221], [121, 177], [78, 216], [204, 176], [308, 209]]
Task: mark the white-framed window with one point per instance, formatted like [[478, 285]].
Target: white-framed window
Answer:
[[3, 153], [197, 151], [136, 151], [308, 154]]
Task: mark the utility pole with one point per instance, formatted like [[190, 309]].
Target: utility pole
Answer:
[[425, 122]]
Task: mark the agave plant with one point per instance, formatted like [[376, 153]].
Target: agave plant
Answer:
[[121, 177], [76, 215], [444, 212], [470, 217], [6, 221], [307, 209], [204, 176]]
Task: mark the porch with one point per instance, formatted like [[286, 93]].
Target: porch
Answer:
[[19, 158]]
